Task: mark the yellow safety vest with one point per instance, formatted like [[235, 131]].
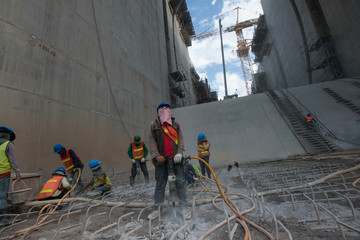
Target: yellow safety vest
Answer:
[[5, 165], [108, 182]]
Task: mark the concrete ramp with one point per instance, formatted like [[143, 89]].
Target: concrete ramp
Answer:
[[245, 130]]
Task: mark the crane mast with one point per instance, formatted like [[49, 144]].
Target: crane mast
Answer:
[[243, 46]]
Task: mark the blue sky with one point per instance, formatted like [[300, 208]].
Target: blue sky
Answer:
[[205, 54]]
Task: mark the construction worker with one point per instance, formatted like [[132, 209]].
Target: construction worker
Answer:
[[72, 164], [8, 160], [203, 147], [310, 120], [191, 172], [56, 187], [137, 153], [100, 183], [166, 145]]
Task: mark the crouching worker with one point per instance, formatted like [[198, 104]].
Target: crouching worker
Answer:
[[56, 187], [101, 182], [191, 172]]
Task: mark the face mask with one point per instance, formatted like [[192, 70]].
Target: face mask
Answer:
[[165, 115]]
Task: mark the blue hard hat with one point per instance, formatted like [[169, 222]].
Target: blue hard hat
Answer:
[[163, 104], [94, 164], [60, 171], [201, 137], [10, 131], [57, 148]]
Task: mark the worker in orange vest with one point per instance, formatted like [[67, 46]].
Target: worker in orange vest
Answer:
[[137, 152], [203, 147], [310, 120], [56, 187]]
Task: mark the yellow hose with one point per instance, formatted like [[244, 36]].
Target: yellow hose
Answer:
[[247, 232]]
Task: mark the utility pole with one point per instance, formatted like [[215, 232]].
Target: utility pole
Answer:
[[223, 59]]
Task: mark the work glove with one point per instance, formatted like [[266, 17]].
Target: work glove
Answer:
[[133, 161], [196, 179], [143, 160], [160, 160], [178, 158]]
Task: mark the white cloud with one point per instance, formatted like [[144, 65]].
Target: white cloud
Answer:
[[213, 2], [234, 82]]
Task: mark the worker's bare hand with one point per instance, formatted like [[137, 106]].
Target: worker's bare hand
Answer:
[[160, 160]]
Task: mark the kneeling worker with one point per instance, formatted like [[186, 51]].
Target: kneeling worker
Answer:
[[101, 181], [56, 187]]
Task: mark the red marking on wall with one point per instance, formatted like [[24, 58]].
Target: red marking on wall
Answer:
[[47, 49]]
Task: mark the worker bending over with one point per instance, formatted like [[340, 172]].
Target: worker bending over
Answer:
[[56, 187], [137, 152], [100, 183], [72, 164]]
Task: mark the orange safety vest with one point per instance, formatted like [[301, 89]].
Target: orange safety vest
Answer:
[[202, 152], [50, 187], [68, 162], [171, 132], [138, 151], [309, 119]]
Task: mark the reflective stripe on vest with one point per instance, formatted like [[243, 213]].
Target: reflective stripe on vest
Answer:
[[309, 119], [5, 165], [202, 152], [50, 187], [68, 162], [137, 151]]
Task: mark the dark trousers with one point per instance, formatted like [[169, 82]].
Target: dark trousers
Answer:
[[161, 178], [204, 167], [189, 178], [134, 171]]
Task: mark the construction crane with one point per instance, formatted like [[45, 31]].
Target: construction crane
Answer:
[[243, 45]]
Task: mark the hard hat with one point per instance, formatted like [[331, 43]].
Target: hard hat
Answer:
[[60, 171], [201, 137], [163, 104], [94, 164], [57, 148], [137, 139], [10, 131]]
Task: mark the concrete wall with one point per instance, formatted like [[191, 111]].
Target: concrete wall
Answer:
[[332, 115], [86, 74], [285, 65], [247, 129]]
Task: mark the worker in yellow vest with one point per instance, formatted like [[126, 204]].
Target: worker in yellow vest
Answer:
[[310, 120], [203, 148], [100, 183], [137, 152], [56, 187], [8, 160]]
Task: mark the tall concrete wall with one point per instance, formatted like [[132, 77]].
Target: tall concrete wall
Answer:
[[247, 129], [285, 65], [86, 74]]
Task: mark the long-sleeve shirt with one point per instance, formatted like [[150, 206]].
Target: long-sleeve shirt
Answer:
[[11, 154], [63, 183], [130, 151]]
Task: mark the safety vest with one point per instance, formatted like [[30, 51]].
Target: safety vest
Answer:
[[108, 182], [138, 151], [68, 162], [4, 160], [202, 152], [50, 187], [309, 119]]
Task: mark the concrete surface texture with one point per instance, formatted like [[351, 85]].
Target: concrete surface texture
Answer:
[[336, 120], [244, 129], [285, 64], [251, 129], [86, 74]]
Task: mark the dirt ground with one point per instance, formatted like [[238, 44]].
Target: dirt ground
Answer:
[[302, 218]]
